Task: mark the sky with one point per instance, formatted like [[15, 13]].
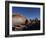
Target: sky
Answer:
[[28, 12]]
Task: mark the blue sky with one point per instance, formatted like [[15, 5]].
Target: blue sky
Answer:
[[29, 12]]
